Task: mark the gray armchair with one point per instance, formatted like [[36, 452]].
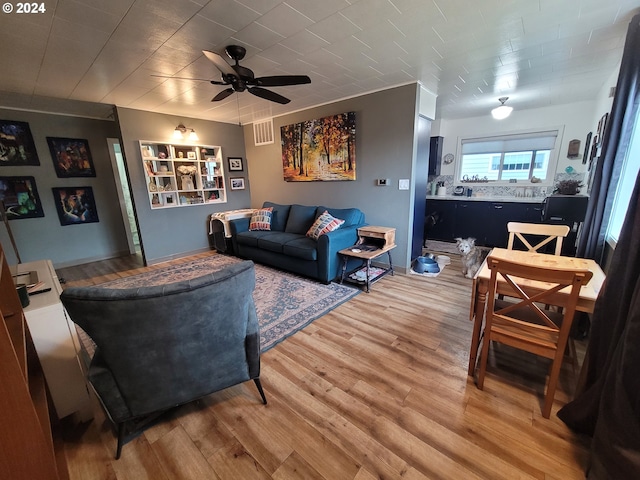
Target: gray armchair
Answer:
[[162, 346]]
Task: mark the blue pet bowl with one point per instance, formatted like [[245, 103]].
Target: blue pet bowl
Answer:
[[425, 265]]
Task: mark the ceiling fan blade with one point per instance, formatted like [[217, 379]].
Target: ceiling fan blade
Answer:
[[222, 95], [281, 80], [268, 95], [220, 62]]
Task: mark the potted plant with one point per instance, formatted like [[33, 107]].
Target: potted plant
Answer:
[[568, 187]]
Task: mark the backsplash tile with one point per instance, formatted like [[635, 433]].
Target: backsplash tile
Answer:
[[517, 190]]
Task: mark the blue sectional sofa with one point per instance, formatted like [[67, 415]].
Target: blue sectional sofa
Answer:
[[286, 245]]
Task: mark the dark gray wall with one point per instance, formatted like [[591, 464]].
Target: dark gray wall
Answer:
[[385, 148], [174, 232], [45, 238]]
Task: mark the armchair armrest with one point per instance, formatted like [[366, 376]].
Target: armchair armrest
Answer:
[[236, 226]]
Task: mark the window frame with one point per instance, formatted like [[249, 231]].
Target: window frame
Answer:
[[554, 156]]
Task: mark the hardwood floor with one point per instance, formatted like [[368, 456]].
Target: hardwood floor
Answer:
[[377, 388]]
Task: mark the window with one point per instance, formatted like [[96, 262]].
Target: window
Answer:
[[624, 189], [509, 157]]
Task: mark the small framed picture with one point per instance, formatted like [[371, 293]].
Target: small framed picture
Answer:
[[191, 155], [169, 198], [235, 164], [237, 183]]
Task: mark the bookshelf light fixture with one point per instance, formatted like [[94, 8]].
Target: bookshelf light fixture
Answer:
[[180, 132]]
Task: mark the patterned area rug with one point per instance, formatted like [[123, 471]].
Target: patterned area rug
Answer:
[[285, 302]]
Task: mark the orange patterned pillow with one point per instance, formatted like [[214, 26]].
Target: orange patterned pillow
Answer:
[[325, 223], [261, 219]]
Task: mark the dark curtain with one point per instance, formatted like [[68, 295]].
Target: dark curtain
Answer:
[[615, 144], [607, 403]]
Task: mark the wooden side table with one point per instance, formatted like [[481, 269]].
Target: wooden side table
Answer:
[[372, 243]]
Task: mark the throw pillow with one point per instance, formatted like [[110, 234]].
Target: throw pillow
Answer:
[[325, 223], [261, 219]]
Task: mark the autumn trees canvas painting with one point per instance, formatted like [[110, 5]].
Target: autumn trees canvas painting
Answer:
[[322, 149]]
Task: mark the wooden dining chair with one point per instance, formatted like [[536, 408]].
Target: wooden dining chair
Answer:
[[521, 323], [525, 231]]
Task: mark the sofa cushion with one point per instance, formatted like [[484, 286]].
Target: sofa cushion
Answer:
[[261, 219], [300, 219], [275, 241], [325, 223], [303, 248], [279, 216], [351, 216], [251, 237]]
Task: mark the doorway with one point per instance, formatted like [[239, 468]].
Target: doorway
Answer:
[[124, 197]]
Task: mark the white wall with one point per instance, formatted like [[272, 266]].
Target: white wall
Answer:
[[576, 118]]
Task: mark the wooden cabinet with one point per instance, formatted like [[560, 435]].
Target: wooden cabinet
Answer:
[[183, 175], [29, 450]]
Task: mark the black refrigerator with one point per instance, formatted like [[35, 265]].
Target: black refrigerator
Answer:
[[567, 210]]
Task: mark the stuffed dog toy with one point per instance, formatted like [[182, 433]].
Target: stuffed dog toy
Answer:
[[472, 256]]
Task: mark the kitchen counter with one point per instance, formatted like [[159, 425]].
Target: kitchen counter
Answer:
[[487, 198]]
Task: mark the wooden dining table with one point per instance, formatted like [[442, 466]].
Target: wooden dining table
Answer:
[[586, 301]]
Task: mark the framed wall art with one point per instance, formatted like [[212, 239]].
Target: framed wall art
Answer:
[[237, 183], [71, 157], [75, 205], [323, 149], [16, 144], [235, 164], [20, 198]]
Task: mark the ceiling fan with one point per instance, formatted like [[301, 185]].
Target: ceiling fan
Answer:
[[240, 78]]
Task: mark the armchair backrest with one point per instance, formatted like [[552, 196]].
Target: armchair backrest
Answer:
[[165, 345]]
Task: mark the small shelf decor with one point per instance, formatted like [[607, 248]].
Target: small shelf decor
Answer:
[[568, 187], [182, 175]]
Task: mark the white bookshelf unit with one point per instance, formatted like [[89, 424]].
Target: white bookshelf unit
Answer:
[[179, 175]]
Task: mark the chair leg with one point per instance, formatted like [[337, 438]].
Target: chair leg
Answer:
[[120, 439], [259, 385], [554, 373], [486, 341]]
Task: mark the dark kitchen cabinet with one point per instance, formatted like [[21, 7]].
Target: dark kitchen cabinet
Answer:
[[435, 155], [440, 219], [471, 219], [501, 213], [485, 221]]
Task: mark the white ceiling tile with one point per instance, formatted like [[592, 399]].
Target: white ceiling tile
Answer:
[[284, 20], [82, 14], [334, 28], [304, 42], [230, 13], [470, 52], [318, 10], [257, 36]]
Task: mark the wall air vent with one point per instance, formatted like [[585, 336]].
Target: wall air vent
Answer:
[[263, 132]]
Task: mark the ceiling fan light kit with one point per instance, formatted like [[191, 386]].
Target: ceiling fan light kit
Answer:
[[503, 111]]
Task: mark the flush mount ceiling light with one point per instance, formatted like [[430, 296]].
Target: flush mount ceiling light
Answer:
[[181, 130], [502, 111]]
